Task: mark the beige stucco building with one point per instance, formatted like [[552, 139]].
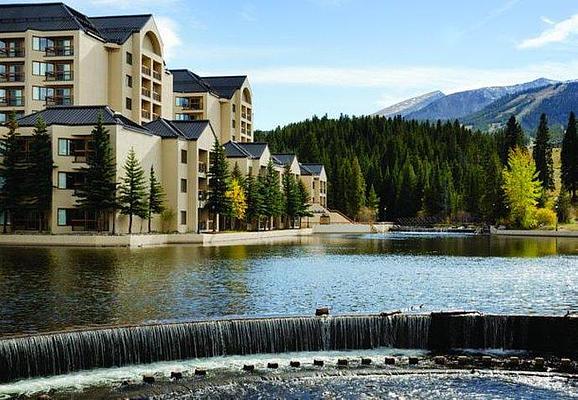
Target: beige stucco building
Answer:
[[51, 54]]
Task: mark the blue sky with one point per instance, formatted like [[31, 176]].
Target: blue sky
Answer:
[[306, 57]]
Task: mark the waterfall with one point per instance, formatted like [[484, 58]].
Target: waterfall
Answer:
[[60, 353]]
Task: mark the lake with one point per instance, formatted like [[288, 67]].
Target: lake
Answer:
[[46, 289]]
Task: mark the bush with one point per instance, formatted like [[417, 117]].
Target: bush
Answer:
[[367, 214], [545, 217]]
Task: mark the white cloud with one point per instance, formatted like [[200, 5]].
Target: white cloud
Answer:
[[547, 20], [168, 29], [558, 33]]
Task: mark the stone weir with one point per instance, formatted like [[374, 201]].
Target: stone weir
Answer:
[[65, 352]]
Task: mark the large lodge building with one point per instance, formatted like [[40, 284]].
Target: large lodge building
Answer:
[[70, 69]]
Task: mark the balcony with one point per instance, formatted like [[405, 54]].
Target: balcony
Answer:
[[192, 106], [12, 77], [146, 114], [59, 100], [203, 198], [156, 96], [202, 170], [146, 92], [11, 52], [156, 116], [59, 51], [12, 101], [157, 75], [63, 76], [146, 70]]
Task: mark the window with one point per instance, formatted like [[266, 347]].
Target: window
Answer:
[[234, 108], [183, 156], [129, 58], [40, 68], [181, 101], [62, 217], [62, 180], [128, 103], [183, 217], [128, 80], [40, 43], [40, 93], [183, 186], [314, 185], [64, 147], [233, 123]]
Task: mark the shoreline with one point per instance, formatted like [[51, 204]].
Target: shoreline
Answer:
[[533, 233]]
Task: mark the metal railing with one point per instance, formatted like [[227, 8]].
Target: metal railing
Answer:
[[14, 101], [146, 114], [156, 96], [12, 77], [202, 168], [59, 51], [146, 92], [59, 76], [157, 75], [59, 100], [11, 52], [146, 70]]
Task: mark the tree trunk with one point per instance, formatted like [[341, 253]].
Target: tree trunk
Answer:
[[113, 222], [130, 223], [149, 222], [5, 224]]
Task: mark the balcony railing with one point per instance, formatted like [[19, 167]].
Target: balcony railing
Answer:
[[193, 106], [58, 100], [146, 70], [156, 96], [11, 52], [146, 114], [156, 116], [157, 75], [202, 168], [59, 51], [12, 77], [146, 92], [14, 101], [59, 76], [82, 156]]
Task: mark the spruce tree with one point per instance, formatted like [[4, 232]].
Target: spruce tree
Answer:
[[355, 192], [98, 194], [273, 197], [132, 198], [254, 198], [39, 172], [542, 155], [218, 202], [291, 196], [569, 158], [156, 197], [238, 175], [11, 172], [304, 201], [513, 137]]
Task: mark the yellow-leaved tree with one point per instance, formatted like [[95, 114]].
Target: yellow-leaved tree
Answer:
[[236, 196], [522, 187]]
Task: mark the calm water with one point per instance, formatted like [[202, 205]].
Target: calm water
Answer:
[[53, 288]]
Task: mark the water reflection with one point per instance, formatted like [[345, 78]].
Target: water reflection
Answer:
[[53, 288]]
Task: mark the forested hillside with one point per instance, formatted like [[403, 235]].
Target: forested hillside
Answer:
[[414, 167]]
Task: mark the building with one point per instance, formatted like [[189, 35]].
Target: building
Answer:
[[315, 179], [51, 54], [224, 100]]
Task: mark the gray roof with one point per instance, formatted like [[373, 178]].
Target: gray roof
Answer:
[[60, 17], [43, 17], [311, 169], [185, 81], [283, 159], [117, 29], [80, 116], [190, 130], [245, 149]]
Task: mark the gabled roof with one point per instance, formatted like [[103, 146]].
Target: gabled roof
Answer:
[[311, 169], [185, 81], [225, 86], [118, 29], [43, 17], [283, 159], [80, 116], [189, 130], [245, 149]]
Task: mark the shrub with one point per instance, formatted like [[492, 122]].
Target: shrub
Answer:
[[545, 217]]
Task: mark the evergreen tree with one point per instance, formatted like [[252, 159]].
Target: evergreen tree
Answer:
[[39, 172], [156, 197], [564, 206], [12, 194], [372, 199], [513, 137], [254, 197], [291, 197], [355, 192], [542, 155], [522, 187], [272, 195], [492, 201], [569, 158], [304, 200], [236, 174], [218, 202], [133, 193], [98, 194]]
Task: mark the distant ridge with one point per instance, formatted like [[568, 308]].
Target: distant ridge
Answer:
[[410, 105]]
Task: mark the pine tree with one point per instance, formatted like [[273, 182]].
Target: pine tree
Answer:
[[218, 202], [236, 174], [542, 155], [355, 192], [291, 196], [156, 197], [39, 172], [272, 195], [12, 194], [132, 192], [98, 194], [254, 198], [372, 199], [513, 137], [569, 158]]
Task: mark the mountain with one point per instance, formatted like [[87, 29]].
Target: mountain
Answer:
[[410, 105], [555, 100], [461, 104]]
